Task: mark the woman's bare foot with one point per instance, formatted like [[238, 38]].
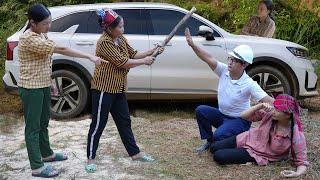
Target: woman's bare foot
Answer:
[[143, 157], [49, 157], [139, 155], [55, 157], [38, 171], [91, 161]]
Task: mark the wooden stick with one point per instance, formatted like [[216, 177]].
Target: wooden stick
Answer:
[[175, 29]]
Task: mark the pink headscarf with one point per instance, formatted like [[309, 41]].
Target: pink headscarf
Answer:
[[289, 104]]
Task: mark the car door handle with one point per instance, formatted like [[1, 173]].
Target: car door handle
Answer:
[[212, 45], [84, 43], [160, 43]]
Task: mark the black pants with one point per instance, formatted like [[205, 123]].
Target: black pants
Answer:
[[117, 105], [226, 152]]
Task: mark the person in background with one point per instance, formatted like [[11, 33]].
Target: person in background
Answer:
[[263, 24], [279, 133]]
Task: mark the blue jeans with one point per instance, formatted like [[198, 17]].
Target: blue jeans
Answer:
[[227, 126]]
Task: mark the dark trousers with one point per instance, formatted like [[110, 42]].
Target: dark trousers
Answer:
[[227, 126], [117, 105], [226, 152], [36, 110]]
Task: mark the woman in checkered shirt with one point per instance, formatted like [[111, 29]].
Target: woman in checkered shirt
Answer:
[[35, 51]]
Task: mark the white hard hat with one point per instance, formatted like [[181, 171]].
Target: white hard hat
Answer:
[[243, 53]]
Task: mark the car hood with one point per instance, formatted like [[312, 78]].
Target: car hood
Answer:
[[255, 40]]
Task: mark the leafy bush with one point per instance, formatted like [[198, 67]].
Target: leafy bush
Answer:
[[294, 22]]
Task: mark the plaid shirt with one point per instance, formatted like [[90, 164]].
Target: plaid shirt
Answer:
[[289, 104], [263, 29], [110, 77], [265, 145], [35, 51]]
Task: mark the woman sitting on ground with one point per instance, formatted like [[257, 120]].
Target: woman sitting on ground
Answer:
[[279, 133], [262, 24]]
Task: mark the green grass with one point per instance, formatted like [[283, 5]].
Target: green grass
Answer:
[[159, 111]]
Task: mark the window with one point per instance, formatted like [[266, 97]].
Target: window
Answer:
[[134, 22], [163, 21], [93, 24], [63, 23]]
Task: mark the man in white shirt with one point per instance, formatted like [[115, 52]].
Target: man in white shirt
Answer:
[[234, 93]]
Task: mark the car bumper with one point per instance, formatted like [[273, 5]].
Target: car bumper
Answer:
[[9, 81], [8, 84], [307, 78]]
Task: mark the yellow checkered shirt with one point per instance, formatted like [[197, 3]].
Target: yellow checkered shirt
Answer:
[[35, 51]]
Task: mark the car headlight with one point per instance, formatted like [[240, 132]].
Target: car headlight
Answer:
[[303, 53]]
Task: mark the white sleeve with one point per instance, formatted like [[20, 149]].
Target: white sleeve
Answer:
[[220, 69], [257, 92]]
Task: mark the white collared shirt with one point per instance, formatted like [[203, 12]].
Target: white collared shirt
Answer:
[[234, 95]]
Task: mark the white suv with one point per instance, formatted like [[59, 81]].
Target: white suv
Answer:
[[279, 66]]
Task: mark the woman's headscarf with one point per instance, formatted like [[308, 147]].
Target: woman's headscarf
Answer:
[[289, 104], [107, 16]]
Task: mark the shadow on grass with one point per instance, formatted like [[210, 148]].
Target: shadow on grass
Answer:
[[161, 110]]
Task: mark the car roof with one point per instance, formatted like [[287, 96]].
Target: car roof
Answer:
[[58, 11]]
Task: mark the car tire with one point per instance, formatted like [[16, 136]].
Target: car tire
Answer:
[[70, 97], [271, 79]]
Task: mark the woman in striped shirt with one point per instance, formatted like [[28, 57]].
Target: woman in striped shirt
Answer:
[[109, 85]]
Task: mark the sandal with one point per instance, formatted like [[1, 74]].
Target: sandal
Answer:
[[145, 158], [91, 168], [57, 157], [47, 172]]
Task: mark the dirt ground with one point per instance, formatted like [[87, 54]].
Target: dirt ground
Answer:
[[169, 134], [69, 137]]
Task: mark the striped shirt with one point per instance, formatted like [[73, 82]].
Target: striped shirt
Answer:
[[110, 77], [35, 51], [263, 29]]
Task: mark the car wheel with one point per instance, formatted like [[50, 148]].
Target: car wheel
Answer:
[[71, 95], [272, 80]]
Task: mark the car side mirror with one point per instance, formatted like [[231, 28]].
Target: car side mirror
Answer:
[[206, 32]]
